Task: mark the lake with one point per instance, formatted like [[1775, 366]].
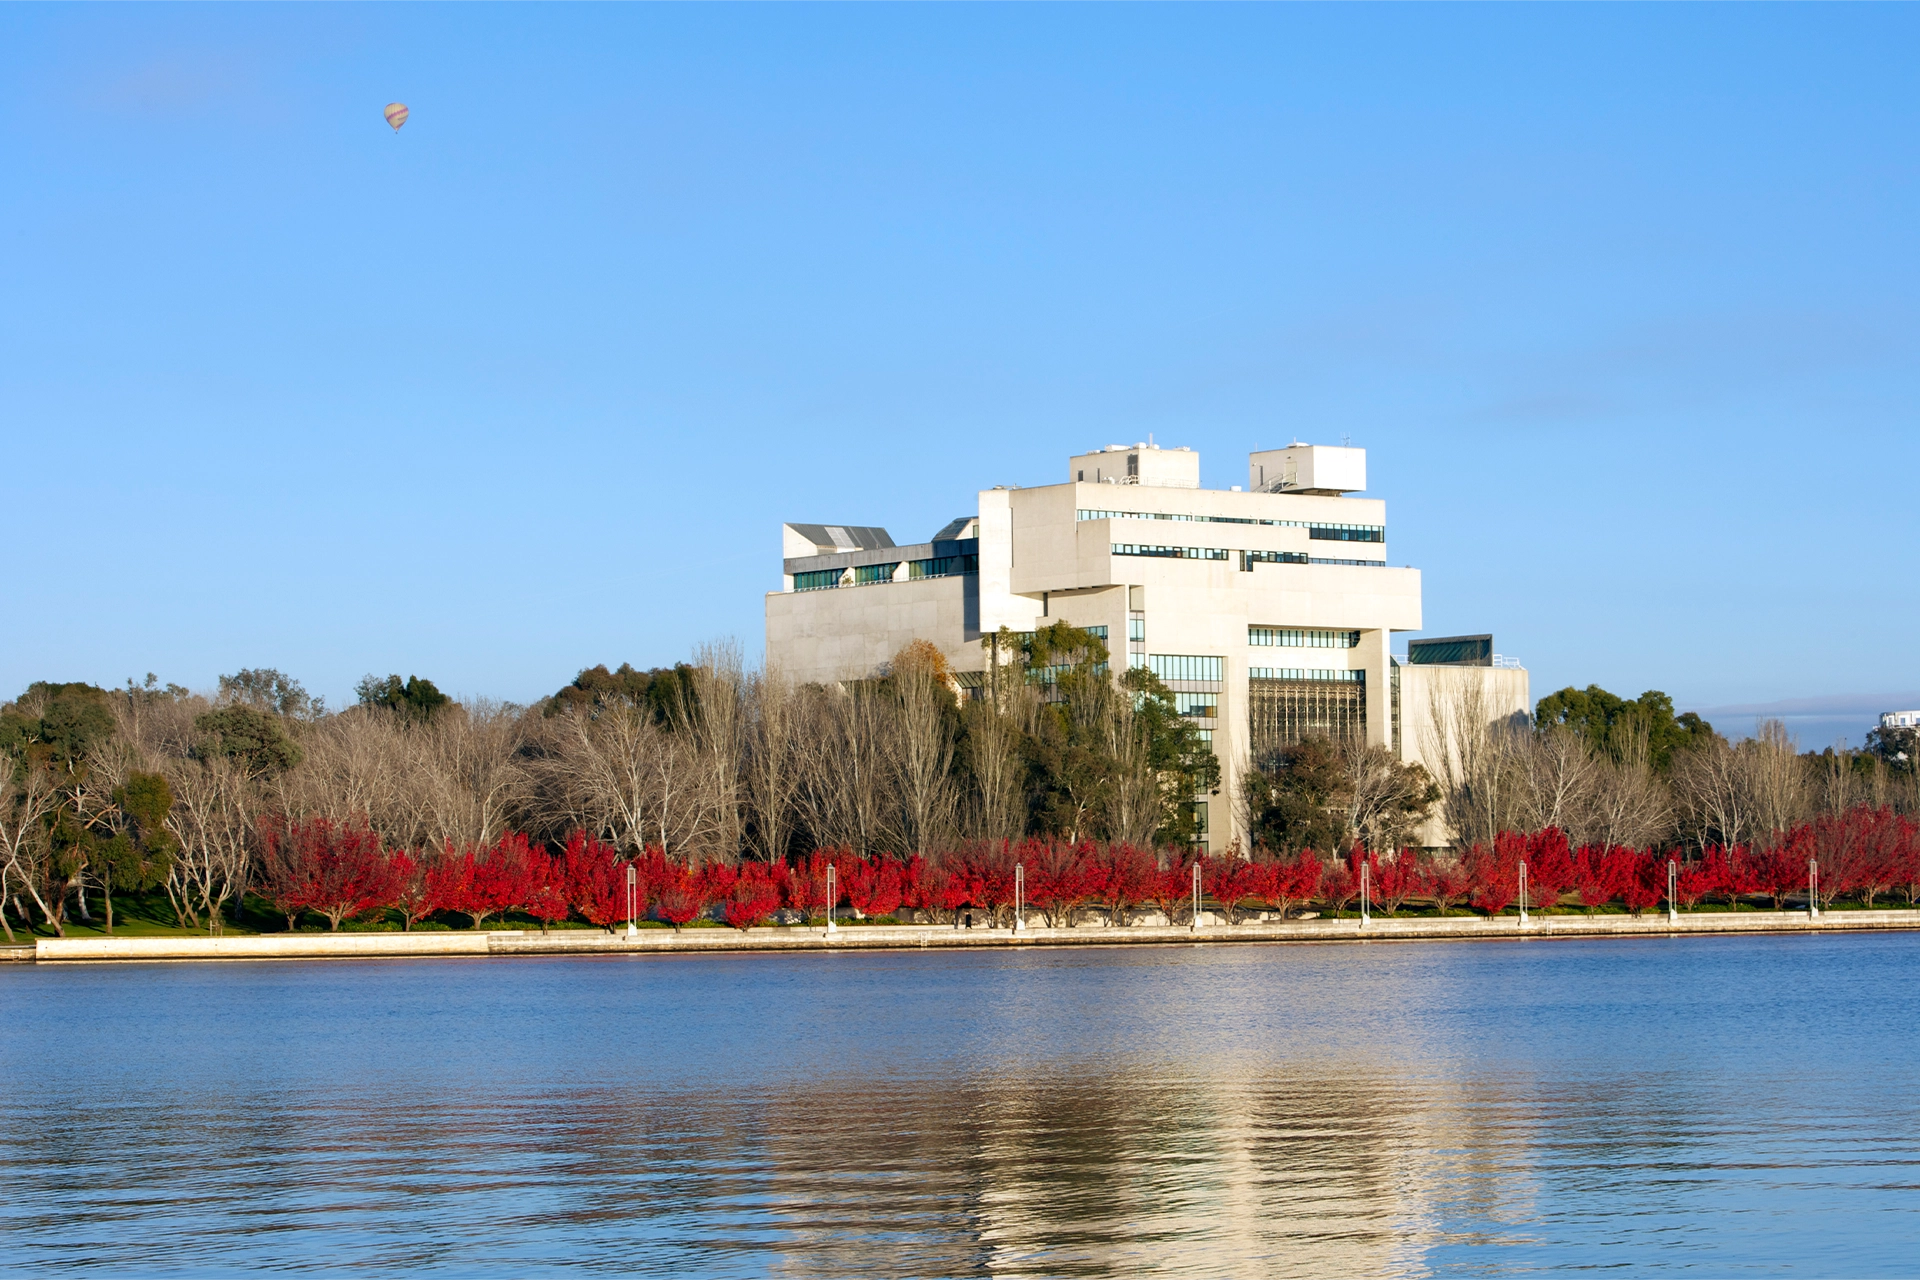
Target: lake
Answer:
[[1711, 1106]]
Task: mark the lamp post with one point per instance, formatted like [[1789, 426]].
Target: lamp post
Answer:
[[832, 898], [1196, 896], [633, 913], [1673, 877], [1813, 889], [1523, 895], [1019, 897], [1366, 912]]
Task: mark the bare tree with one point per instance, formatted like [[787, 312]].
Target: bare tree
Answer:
[[1472, 753], [923, 746], [1628, 803], [772, 764], [468, 779], [714, 721], [1387, 801], [995, 807], [27, 797], [1775, 778], [215, 808], [1557, 772]]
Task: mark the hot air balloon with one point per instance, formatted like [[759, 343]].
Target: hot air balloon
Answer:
[[396, 115]]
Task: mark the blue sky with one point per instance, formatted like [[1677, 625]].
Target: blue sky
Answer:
[[1621, 301]]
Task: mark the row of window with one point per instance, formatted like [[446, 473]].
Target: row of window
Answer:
[[1315, 528], [1248, 559], [1171, 553], [867, 574], [1186, 666], [1365, 564], [1284, 638], [1306, 673], [1199, 706]]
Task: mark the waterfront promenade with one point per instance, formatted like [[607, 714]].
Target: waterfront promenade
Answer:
[[863, 937]]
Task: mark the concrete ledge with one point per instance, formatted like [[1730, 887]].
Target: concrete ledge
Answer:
[[306, 946], [273, 946]]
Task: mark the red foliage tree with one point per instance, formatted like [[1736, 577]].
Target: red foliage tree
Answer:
[[1595, 877], [1123, 876], [1286, 883], [336, 870], [1171, 889], [486, 880], [1059, 881], [1642, 877], [1230, 880], [413, 886], [1732, 872], [1337, 885], [753, 896], [913, 884], [1493, 875], [1780, 869], [1447, 883], [1399, 878], [1550, 867], [596, 880], [1696, 880], [679, 893], [547, 898]]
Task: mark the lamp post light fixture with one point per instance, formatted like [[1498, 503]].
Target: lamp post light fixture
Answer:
[[633, 912], [1673, 879], [832, 899], [1019, 897], [1813, 889], [1523, 895]]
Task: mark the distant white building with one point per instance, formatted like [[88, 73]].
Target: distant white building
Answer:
[[1267, 612], [1900, 719]]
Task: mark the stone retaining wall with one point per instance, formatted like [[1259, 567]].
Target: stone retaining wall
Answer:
[[306, 946]]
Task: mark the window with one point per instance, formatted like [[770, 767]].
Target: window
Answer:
[[1170, 553], [1281, 712], [874, 573], [1136, 659], [1200, 706], [1248, 559], [1137, 630], [1336, 674], [1314, 528], [1200, 817], [1365, 564], [1289, 639], [1204, 735], [1185, 666], [1472, 651], [942, 567], [819, 581]]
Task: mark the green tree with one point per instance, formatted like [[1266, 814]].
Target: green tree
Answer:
[[1897, 747], [266, 689], [139, 855], [58, 728], [1099, 745], [412, 699], [1613, 725], [1299, 797], [667, 693], [256, 740]]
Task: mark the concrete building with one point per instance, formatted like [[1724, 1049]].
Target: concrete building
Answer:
[[1266, 610], [1900, 719]]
